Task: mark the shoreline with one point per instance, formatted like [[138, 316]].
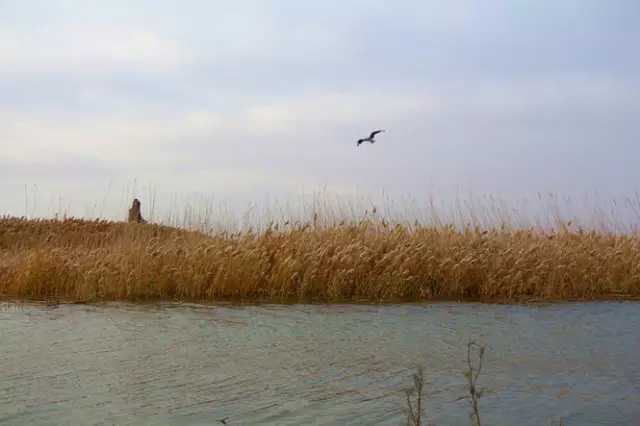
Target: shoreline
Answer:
[[17, 301]]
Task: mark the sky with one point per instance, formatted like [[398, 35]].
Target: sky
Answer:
[[242, 100]]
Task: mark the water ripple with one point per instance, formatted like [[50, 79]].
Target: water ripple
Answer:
[[324, 364]]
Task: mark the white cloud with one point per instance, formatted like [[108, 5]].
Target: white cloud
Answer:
[[124, 142], [76, 49], [324, 109]]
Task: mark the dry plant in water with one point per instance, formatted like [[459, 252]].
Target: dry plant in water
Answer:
[[414, 396], [475, 358], [472, 375], [414, 399]]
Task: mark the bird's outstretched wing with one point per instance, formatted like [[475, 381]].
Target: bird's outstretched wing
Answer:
[[359, 142], [374, 133]]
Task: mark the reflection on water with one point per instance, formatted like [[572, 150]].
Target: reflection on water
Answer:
[[304, 364]]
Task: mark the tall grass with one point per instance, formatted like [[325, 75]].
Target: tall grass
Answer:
[[210, 214], [368, 258]]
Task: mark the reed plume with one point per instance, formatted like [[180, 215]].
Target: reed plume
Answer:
[[80, 260]]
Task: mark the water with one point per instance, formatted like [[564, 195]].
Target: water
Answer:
[[316, 364]]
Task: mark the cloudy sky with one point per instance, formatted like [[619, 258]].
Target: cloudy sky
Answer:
[[243, 99]]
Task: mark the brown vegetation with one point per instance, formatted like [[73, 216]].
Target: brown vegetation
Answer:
[[99, 260]]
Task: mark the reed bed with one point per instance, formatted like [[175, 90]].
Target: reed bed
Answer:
[[78, 260]]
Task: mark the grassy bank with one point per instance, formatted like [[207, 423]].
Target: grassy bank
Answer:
[[98, 260]]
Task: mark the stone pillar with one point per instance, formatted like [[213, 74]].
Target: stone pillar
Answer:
[[134, 212]]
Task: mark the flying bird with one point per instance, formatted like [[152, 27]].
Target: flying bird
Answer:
[[371, 138]]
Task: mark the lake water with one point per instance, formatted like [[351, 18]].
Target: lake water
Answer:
[[173, 364]]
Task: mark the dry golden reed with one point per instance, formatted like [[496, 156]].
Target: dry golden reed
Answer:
[[78, 260]]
